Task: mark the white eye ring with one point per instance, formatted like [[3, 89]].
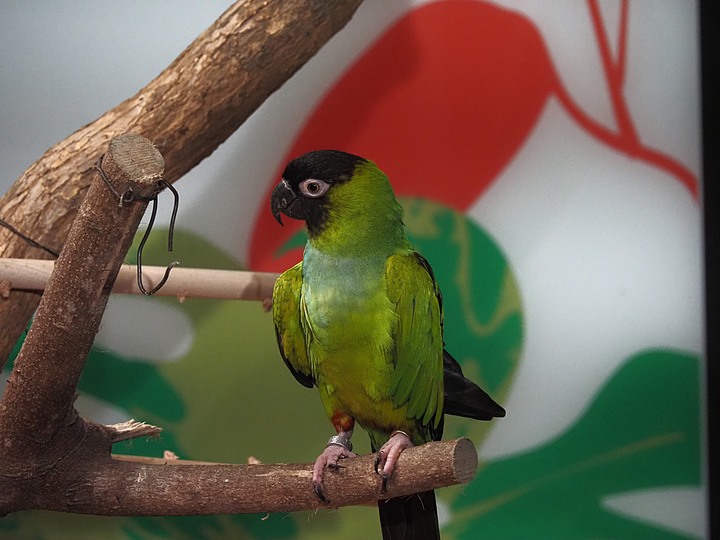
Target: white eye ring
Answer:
[[314, 188]]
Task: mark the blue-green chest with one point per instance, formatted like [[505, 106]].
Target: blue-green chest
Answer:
[[345, 299]]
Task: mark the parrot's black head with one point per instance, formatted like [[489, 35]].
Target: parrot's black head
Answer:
[[305, 182]]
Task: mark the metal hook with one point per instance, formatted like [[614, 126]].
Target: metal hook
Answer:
[[129, 196], [173, 215], [170, 241]]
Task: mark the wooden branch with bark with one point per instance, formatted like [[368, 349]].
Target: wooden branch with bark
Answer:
[[187, 111], [125, 485]]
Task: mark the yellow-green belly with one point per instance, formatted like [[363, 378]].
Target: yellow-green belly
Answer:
[[352, 358], [356, 382]]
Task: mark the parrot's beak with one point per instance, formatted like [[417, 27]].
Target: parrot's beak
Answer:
[[284, 201]]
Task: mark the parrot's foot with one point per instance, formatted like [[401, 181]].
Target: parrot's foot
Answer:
[[329, 459], [387, 456]]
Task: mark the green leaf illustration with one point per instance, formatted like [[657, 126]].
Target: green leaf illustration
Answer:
[[483, 310], [641, 431]]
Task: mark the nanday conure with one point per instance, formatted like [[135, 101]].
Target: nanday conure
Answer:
[[361, 318]]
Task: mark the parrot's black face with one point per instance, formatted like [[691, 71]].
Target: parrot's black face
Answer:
[[306, 181]]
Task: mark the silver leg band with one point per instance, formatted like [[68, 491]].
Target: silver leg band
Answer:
[[337, 440]]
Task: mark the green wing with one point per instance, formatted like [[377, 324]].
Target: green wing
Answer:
[[418, 354], [286, 316]]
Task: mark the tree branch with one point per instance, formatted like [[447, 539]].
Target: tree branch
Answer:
[[188, 110], [38, 422], [135, 486]]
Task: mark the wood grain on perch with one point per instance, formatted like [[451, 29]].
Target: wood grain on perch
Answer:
[[192, 488], [33, 274]]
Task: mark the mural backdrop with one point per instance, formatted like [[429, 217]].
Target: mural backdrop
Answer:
[[548, 162]]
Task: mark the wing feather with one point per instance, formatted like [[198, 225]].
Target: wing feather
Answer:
[[418, 353], [286, 316]]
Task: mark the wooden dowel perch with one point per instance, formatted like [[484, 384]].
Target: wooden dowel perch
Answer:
[[52, 459], [33, 275]]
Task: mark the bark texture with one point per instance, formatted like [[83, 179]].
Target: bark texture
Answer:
[[89, 481]]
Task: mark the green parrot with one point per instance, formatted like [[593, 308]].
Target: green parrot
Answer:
[[361, 318]]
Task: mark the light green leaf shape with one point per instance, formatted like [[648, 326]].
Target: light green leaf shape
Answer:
[[641, 431], [241, 401]]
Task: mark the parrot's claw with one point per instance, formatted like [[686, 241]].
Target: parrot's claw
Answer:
[[329, 459], [320, 493], [387, 456]]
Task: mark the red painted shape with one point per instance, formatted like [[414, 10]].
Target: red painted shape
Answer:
[[614, 73], [441, 102], [626, 138]]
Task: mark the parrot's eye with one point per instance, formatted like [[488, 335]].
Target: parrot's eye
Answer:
[[313, 188]]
